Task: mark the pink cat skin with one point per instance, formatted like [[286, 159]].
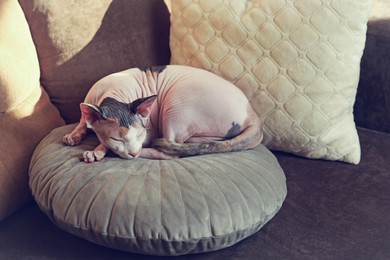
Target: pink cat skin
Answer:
[[165, 113]]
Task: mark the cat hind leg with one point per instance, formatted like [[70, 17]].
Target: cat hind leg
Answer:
[[248, 139]]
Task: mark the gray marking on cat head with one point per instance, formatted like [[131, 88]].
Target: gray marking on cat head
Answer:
[[111, 107]]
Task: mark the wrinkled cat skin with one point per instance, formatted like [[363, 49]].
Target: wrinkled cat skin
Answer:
[[165, 113]]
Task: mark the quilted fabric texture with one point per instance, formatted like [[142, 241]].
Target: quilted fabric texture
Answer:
[[297, 61], [170, 207]]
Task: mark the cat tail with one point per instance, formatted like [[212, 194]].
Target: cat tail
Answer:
[[247, 139]]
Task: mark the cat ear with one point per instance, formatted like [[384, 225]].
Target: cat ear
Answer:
[[143, 106], [90, 113]]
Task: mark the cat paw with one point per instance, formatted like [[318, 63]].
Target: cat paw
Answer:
[[93, 156], [72, 139]]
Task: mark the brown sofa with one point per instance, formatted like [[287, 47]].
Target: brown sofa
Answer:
[[48, 60]]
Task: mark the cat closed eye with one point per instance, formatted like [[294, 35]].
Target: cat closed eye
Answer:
[[116, 139]]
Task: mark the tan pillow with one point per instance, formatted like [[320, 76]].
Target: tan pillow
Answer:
[[21, 130], [79, 42], [297, 61], [19, 67], [26, 114]]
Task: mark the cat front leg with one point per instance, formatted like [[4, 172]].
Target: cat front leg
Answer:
[[96, 155], [74, 138]]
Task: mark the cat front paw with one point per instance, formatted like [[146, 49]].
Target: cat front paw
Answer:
[[96, 155], [72, 139], [93, 156]]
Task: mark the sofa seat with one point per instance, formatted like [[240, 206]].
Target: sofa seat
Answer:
[[333, 210]]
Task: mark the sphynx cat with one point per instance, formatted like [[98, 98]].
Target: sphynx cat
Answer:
[[164, 113]]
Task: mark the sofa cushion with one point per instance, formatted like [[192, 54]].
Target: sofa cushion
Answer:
[[297, 61], [168, 207], [26, 114], [79, 42], [372, 107]]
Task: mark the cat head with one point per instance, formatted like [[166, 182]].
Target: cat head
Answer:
[[119, 126]]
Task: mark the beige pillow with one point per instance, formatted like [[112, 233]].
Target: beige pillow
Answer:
[[26, 114], [297, 61]]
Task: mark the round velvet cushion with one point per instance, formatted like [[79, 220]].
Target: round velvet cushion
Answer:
[[160, 207]]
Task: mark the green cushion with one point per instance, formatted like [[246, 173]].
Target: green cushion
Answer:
[[160, 207]]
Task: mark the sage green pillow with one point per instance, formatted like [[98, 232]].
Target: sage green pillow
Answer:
[[167, 207]]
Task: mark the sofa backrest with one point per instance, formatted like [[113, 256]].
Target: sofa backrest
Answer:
[[79, 42]]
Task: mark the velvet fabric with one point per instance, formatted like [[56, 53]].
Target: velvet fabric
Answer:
[[373, 103], [19, 69], [157, 207], [79, 42], [26, 114], [333, 210]]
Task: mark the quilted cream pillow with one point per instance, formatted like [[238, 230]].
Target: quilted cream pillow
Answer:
[[297, 61]]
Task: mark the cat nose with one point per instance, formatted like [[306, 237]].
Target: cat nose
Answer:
[[134, 154]]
